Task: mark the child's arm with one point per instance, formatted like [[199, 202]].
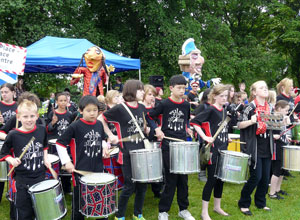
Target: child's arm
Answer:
[[112, 138], [46, 159], [245, 124], [13, 161], [203, 136], [65, 158]]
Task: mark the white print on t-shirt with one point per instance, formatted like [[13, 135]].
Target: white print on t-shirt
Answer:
[[62, 125], [175, 122], [222, 135], [132, 129], [8, 114], [34, 156], [92, 143]]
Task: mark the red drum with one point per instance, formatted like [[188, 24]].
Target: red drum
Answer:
[[54, 160], [98, 195], [112, 166]]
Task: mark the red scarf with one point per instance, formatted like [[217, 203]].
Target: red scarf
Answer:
[[261, 127]]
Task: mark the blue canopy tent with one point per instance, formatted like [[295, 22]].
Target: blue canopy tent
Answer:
[[63, 55]]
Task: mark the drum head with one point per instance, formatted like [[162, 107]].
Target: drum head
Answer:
[[97, 178], [143, 151], [53, 158], [234, 153], [184, 143], [234, 136], [44, 185], [52, 141]]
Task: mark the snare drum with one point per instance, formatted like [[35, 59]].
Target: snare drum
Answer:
[[232, 166], [296, 132], [113, 167], [52, 146], [184, 157], [234, 146], [146, 165], [98, 195], [48, 200], [3, 167], [291, 158], [54, 160]]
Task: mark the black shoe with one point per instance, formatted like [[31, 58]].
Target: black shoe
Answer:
[[284, 193], [157, 195], [275, 196], [248, 212], [284, 178]]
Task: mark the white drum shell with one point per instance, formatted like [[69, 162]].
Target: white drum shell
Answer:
[[291, 158]]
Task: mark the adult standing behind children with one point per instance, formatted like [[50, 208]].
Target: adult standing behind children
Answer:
[[30, 169], [175, 117], [132, 93], [8, 106]]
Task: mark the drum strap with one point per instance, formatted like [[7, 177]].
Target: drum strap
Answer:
[[146, 141]]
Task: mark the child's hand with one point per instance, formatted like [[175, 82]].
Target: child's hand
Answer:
[[106, 152], [276, 136], [253, 119], [286, 120], [113, 139], [54, 119], [13, 161], [1, 119], [190, 132], [147, 130], [47, 163], [208, 139], [69, 167], [159, 134]]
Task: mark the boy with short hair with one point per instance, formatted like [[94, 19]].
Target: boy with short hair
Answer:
[[86, 136], [175, 117], [30, 169]]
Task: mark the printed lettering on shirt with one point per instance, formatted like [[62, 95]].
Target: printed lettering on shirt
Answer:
[[8, 114], [62, 125], [223, 137], [132, 129], [34, 156], [92, 143], [175, 122]]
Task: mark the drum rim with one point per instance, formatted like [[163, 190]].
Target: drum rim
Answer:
[[30, 190], [97, 183], [235, 152], [148, 180], [291, 147], [183, 143], [140, 151]]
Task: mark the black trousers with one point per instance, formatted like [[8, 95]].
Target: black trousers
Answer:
[[212, 184], [76, 214], [259, 179], [128, 189], [173, 181], [1, 190], [23, 205]]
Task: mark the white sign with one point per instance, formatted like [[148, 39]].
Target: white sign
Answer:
[[12, 58]]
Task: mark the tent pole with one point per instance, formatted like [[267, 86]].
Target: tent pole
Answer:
[[140, 76]]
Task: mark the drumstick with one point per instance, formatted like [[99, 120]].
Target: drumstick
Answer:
[[111, 150], [145, 122], [81, 172], [54, 174], [241, 142], [173, 139], [22, 154], [293, 109], [129, 138]]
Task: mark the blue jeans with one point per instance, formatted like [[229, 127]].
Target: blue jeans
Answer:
[[259, 179]]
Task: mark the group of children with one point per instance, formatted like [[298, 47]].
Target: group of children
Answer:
[[88, 136]]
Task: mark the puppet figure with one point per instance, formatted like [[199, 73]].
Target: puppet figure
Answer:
[[191, 63], [96, 74]]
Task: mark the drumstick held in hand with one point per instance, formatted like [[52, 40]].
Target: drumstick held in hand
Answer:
[[81, 172], [129, 138], [293, 109], [54, 174], [22, 154], [173, 139], [240, 142]]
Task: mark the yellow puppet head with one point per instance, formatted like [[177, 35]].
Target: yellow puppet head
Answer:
[[94, 58]]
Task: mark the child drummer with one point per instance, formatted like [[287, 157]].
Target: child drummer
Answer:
[[85, 138], [30, 169], [210, 120], [175, 116]]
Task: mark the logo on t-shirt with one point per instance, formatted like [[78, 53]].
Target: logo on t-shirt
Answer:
[[62, 125], [7, 115], [34, 156], [92, 143], [132, 129], [175, 122]]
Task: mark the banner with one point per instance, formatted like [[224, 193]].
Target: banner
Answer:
[[12, 58]]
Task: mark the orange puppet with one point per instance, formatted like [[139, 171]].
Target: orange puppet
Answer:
[[95, 75]]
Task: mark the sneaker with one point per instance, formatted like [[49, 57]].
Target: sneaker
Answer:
[[122, 218], [284, 193], [163, 216], [186, 215], [139, 217], [275, 196]]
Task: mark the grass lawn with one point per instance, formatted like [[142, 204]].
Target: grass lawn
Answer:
[[287, 209]]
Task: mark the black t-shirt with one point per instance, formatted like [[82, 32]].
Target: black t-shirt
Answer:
[[126, 127], [85, 141], [210, 120], [8, 110], [192, 97], [278, 144], [72, 107], [174, 116], [118, 87], [63, 122], [32, 163]]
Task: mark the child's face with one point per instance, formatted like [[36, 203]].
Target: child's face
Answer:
[[161, 92], [7, 94], [140, 94], [149, 97], [283, 111], [62, 101], [116, 99], [261, 90], [90, 112], [221, 99], [178, 90], [27, 117]]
